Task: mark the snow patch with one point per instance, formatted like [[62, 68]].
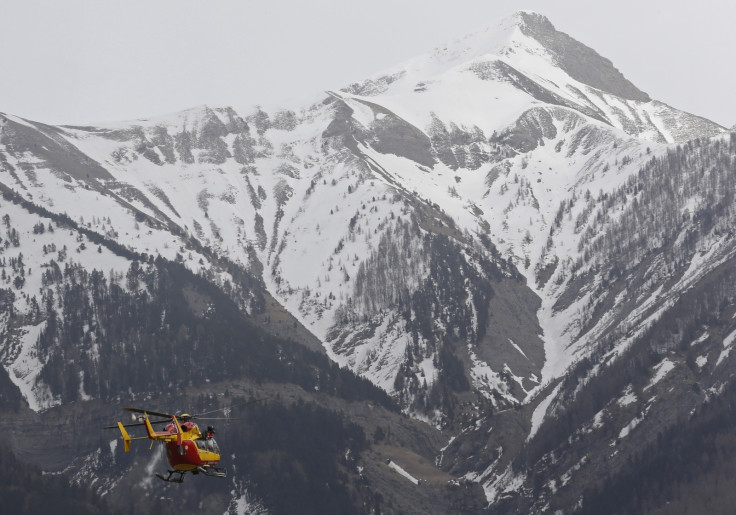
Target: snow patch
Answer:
[[113, 448], [598, 419], [506, 482], [541, 410], [727, 346], [568, 475], [517, 348], [25, 367], [485, 380], [629, 427], [660, 370], [403, 472], [629, 397], [700, 340], [242, 502]]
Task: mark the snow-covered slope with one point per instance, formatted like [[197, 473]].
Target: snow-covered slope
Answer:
[[489, 78], [483, 139], [464, 229]]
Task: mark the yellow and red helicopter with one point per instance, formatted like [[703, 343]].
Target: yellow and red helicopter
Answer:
[[188, 449]]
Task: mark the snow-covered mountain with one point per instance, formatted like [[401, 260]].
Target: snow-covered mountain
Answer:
[[491, 225]]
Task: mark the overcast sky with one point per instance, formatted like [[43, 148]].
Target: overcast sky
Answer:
[[84, 61]]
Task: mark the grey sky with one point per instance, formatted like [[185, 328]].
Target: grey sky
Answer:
[[81, 61]]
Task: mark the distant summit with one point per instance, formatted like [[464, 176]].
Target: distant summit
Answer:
[[579, 61], [524, 33]]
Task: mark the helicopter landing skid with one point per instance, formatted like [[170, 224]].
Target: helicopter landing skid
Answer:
[[212, 471], [170, 479]]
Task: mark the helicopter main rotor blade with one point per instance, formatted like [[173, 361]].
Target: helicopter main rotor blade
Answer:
[[140, 424], [154, 413], [229, 407], [189, 417], [219, 418]]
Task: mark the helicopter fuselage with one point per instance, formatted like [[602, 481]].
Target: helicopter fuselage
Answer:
[[193, 451]]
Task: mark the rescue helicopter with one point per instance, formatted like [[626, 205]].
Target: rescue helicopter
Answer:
[[188, 449]]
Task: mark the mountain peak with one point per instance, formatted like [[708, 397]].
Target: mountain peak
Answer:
[[528, 31], [577, 60], [525, 16]]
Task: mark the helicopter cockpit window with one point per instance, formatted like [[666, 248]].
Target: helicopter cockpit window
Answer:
[[208, 445]]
